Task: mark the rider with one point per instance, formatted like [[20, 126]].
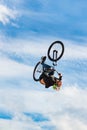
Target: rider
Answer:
[[47, 77]]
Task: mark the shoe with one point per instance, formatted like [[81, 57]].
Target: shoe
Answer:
[[43, 58], [60, 76]]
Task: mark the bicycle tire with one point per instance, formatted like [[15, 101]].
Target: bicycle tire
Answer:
[[62, 51], [35, 69]]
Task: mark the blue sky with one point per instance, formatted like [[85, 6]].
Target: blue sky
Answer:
[[27, 28]]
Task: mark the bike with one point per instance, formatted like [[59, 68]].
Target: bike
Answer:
[[54, 53]]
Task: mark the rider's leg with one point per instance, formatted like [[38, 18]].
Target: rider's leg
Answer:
[[42, 82], [43, 58], [48, 69], [46, 66], [60, 76]]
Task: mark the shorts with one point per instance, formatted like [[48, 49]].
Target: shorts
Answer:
[[47, 79]]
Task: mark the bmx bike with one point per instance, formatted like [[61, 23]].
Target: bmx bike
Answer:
[[54, 53]]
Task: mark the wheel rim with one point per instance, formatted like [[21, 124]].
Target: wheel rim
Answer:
[[37, 71], [57, 47]]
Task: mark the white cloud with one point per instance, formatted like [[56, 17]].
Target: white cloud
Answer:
[[25, 47], [9, 69], [18, 125], [56, 106], [65, 122], [7, 14], [74, 50], [39, 47]]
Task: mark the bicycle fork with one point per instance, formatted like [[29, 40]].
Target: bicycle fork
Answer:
[[55, 53]]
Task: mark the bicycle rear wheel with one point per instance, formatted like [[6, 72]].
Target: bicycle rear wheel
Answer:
[[55, 51], [37, 71]]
